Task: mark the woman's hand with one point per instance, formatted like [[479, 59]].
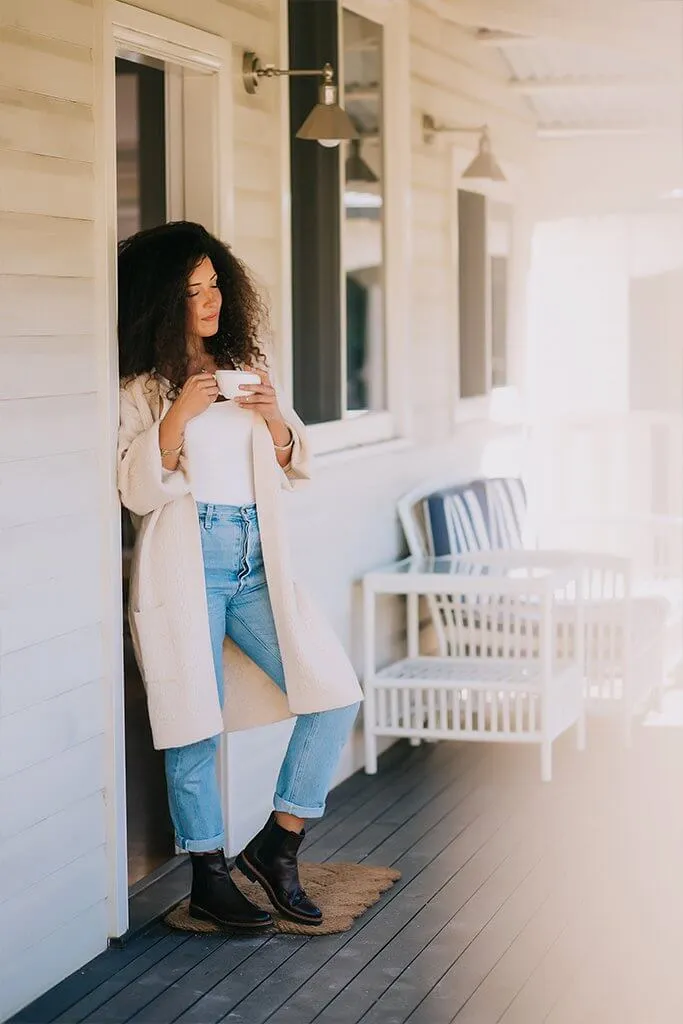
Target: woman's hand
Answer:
[[261, 398], [198, 392]]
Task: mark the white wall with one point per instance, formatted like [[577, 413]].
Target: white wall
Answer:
[[603, 175], [586, 359], [578, 357], [55, 684], [578, 330], [52, 688]]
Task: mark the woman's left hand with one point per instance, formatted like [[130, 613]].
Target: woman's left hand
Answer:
[[261, 398]]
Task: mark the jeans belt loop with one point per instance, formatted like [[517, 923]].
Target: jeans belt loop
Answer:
[[208, 517]]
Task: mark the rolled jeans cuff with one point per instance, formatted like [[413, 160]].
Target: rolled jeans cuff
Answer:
[[201, 845], [287, 807]]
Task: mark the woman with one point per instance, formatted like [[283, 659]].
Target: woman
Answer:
[[213, 608]]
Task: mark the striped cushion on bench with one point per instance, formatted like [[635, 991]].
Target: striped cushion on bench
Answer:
[[481, 515]]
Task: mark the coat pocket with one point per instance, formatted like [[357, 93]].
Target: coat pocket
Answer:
[[153, 645]]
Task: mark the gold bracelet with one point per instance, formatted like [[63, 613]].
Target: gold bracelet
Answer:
[[285, 447], [171, 451]]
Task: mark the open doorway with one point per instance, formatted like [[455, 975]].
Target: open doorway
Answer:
[[172, 138], [141, 203]]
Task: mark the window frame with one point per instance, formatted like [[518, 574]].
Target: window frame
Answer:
[[356, 430], [501, 403]]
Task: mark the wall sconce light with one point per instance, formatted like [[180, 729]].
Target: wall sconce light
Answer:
[[356, 168], [484, 164], [327, 123]]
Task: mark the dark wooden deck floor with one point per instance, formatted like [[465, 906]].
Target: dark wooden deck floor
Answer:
[[519, 902]]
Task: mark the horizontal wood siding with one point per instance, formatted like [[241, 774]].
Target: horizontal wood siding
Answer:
[[32, 675], [50, 246], [40, 64], [47, 787], [49, 366], [37, 305], [80, 884], [45, 125], [52, 676], [48, 486], [52, 958]]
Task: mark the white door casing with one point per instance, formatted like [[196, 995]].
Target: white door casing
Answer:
[[204, 192]]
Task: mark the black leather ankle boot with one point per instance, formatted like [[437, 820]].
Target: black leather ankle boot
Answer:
[[215, 897], [270, 860]]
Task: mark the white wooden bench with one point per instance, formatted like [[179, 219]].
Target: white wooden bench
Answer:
[[505, 678], [632, 627]]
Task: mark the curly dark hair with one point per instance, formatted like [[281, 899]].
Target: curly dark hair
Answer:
[[154, 267]]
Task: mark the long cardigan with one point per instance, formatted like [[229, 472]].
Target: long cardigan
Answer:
[[167, 603]]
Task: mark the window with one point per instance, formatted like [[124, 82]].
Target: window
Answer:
[[363, 235], [483, 269], [347, 233]]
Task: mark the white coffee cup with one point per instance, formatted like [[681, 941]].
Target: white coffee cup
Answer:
[[229, 382]]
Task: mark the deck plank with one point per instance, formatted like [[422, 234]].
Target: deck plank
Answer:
[[519, 903], [63, 998], [310, 979], [282, 980], [387, 983]]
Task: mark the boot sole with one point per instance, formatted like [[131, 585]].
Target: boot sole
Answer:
[[250, 872], [203, 915]]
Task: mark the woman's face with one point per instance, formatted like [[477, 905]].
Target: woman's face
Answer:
[[203, 300]]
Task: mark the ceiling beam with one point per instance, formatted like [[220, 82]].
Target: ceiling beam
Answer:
[[649, 30], [548, 131], [538, 86]]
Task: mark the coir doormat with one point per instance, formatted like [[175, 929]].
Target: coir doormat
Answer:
[[342, 891]]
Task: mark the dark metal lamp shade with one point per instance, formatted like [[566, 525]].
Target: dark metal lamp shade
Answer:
[[484, 164], [327, 123]]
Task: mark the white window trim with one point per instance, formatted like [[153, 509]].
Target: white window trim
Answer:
[[129, 28], [372, 428], [500, 404]]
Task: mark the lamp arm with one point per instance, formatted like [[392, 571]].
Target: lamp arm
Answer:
[[270, 71], [447, 129], [430, 126], [253, 70]]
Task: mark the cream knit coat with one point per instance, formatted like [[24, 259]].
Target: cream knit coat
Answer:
[[168, 609]]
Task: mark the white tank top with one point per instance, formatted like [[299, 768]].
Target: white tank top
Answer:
[[219, 455]]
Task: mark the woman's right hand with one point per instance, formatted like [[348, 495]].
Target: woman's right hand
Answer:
[[198, 392]]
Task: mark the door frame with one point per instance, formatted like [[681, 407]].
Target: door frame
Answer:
[[132, 29]]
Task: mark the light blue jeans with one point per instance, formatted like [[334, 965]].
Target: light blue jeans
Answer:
[[239, 607]]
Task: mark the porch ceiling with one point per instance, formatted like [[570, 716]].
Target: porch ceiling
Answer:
[[616, 68], [572, 87]]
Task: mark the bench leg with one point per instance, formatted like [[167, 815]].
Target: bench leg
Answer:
[[415, 741], [370, 741]]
